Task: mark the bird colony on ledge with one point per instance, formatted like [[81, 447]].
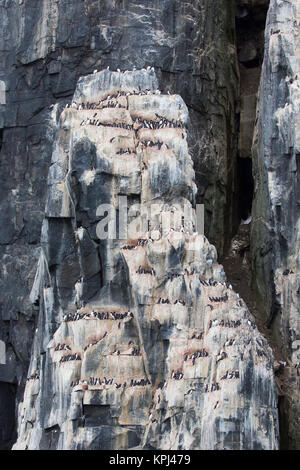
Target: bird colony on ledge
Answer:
[[141, 343]]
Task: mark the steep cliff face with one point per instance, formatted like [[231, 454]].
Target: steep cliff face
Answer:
[[140, 343], [275, 227], [45, 47], [132, 335]]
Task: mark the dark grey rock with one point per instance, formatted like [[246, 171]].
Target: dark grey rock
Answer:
[[275, 224]]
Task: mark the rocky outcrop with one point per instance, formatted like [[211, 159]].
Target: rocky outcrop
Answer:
[[195, 47], [275, 226], [45, 47], [140, 343]]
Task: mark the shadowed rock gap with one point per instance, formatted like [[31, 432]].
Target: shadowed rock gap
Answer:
[[245, 187], [47, 71], [250, 24], [271, 309]]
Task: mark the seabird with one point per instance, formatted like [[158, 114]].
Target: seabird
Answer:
[[283, 363]]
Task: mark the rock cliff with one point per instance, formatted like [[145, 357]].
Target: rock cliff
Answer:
[[275, 227], [138, 340], [140, 343], [45, 47]]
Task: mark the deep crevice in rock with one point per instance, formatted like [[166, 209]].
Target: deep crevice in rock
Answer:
[[245, 187], [250, 24]]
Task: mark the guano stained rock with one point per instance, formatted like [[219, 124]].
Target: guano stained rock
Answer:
[[141, 342], [45, 46]]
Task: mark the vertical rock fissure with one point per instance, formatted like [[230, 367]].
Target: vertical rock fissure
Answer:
[[269, 271], [250, 26], [250, 23], [250, 31], [245, 187]]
